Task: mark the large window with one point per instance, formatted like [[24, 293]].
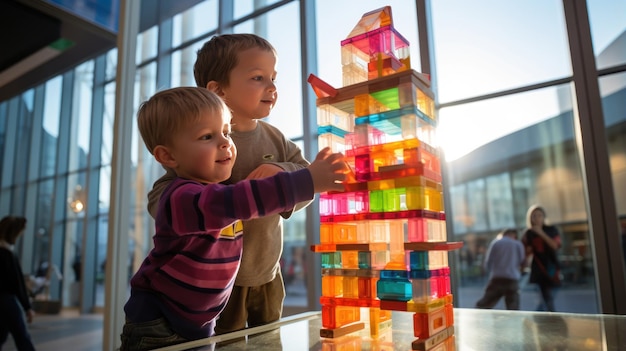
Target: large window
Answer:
[[508, 131]]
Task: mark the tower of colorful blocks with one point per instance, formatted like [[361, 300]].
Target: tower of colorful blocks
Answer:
[[383, 242]]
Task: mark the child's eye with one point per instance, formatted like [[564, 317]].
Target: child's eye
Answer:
[[258, 78], [227, 134], [206, 137]]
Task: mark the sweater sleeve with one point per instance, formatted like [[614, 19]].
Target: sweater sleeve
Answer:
[[194, 207], [295, 161]]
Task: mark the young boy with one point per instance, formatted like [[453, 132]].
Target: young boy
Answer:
[[185, 281], [241, 69]]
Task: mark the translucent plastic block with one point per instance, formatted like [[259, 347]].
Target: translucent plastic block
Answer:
[[331, 259], [326, 233], [420, 260], [424, 290], [363, 231], [328, 115], [344, 233], [422, 156], [383, 158], [337, 316], [353, 73], [334, 142], [428, 324], [388, 98], [384, 41], [401, 124], [366, 104], [367, 287], [350, 259], [396, 241], [383, 66], [443, 281], [381, 231], [373, 259], [449, 311], [379, 321], [351, 287], [414, 127], [326, 204], [376, 201], [426, 230], [399, 290], [365, 260], [353, 65], [424, 198], [359, 202], [371, 20], [340, 203], [332, 285], [362, 167], [407, 94], [395, 200], [425, 104], [364, 135]]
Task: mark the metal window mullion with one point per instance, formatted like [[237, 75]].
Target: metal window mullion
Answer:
[[116, 279], [593, 152], [308, 39]]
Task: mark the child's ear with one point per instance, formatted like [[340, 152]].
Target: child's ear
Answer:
[[164, 156], [215, 87]]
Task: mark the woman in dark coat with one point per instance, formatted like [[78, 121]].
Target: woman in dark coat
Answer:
[[15, 307]]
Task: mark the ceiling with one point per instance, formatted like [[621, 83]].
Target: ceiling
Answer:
[[41, 39], [28, 30]]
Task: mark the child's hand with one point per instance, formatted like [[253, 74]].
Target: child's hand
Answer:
[[328, 171]]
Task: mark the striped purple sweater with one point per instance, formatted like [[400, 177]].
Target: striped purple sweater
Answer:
[[189, 274]]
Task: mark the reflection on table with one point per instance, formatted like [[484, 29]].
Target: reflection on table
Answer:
[[473, 330]]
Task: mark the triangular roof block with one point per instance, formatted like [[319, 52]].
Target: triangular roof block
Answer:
[[373, 20]]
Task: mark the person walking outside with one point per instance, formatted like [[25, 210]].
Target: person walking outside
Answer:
[[504, 260]]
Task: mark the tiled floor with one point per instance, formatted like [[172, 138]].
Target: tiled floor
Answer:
[[65, 331]]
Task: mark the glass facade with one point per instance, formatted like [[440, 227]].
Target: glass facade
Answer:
[[512, 129]]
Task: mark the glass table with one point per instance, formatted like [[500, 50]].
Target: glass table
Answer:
[[474, 329]]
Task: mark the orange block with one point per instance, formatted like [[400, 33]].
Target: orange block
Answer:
[[337, 316], [428, 324]]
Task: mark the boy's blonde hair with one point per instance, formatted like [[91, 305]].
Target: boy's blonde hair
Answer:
[[218, 56], [167, 111]]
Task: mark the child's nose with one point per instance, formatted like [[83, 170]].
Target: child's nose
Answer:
[[227, 142]]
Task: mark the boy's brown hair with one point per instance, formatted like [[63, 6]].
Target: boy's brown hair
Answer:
[[167, 111], [218, 56]]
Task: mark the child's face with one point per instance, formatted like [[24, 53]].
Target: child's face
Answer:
[[251, 93], [203, 149]]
